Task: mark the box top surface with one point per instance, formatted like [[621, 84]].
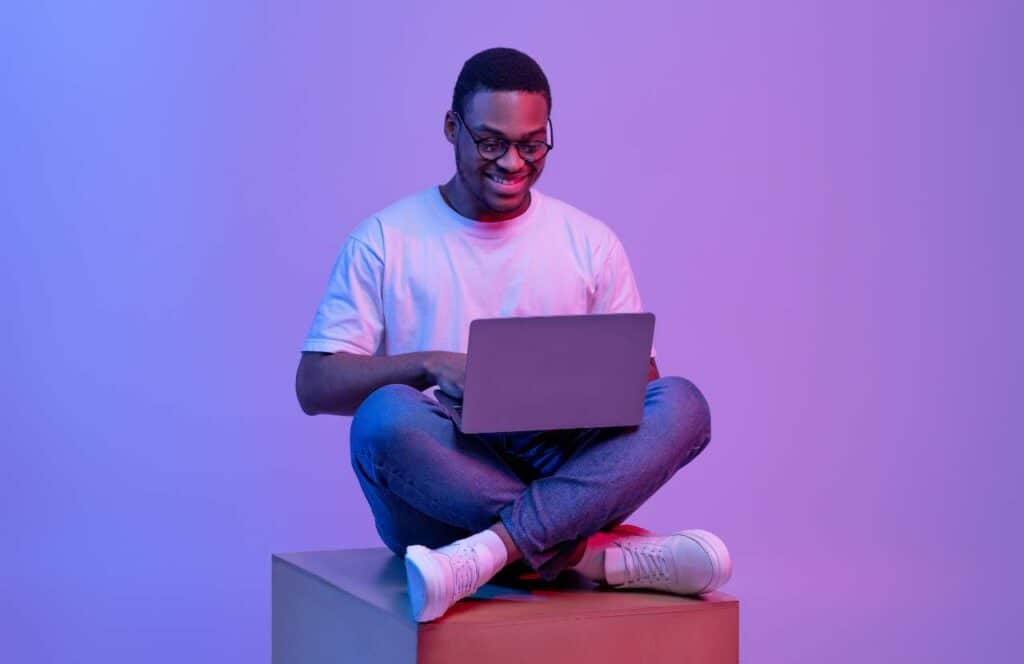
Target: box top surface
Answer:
[[377, 577]]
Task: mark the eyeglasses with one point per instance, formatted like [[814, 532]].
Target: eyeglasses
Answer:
[[493, 148]]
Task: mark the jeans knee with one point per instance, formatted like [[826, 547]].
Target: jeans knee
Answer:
[[690, 410]]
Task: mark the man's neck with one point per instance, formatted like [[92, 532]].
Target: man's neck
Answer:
[[468, 206]]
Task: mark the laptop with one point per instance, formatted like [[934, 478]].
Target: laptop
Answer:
[[554, 372]]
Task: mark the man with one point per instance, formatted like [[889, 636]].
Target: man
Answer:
[[395, 321]]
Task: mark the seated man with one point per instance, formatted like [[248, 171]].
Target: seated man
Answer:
[[395, 321]]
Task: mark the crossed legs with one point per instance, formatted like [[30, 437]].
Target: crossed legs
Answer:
[[428, 484]]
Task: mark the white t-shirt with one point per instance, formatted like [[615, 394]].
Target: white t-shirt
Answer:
[[413, 276]]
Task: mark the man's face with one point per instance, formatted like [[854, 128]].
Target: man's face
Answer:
[[497, 189]]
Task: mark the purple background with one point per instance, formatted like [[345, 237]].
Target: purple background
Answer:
[[821, 203]]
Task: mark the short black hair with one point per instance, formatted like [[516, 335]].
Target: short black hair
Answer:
[[499, 69]]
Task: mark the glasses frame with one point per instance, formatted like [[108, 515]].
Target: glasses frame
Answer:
[[507, 143]]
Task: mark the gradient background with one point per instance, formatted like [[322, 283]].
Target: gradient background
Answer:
[[821, 202]]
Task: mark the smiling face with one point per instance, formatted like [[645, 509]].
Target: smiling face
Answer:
[[495, 190]]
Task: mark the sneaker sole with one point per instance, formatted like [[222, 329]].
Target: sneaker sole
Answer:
[[420, 565], [721, 561]]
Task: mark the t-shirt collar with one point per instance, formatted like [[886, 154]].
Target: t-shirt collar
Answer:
[[488, 229]]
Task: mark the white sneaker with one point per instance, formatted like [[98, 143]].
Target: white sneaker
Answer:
[[690, 562], [437, 580]]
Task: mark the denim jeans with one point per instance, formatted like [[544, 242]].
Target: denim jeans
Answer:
[[427, 483]]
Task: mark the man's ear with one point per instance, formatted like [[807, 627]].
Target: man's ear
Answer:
[[450, 125]]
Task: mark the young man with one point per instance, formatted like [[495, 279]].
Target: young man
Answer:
[[395, 321]]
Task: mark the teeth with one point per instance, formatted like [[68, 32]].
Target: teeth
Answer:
[[503, 181]]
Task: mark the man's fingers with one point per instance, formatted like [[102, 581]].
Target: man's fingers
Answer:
[[451, 391]]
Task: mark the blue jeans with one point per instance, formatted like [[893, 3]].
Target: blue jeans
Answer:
[[427, 483]]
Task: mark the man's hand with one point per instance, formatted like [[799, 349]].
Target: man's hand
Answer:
[[448, 371]]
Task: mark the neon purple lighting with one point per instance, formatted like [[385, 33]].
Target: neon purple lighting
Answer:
[[821, 203]]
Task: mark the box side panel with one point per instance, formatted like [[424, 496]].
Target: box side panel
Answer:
[[314, 622], [695, 637]]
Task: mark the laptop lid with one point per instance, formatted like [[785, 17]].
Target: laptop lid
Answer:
[[556, 372]]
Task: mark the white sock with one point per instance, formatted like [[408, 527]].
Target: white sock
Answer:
[[596, 564], [614, 567], [490, 552], [591, 565]]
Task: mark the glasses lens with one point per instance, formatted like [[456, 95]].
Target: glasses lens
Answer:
[[492, 148], [532, 150]]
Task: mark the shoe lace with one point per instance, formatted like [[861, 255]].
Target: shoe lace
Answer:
[[465, 571], [645, 563]]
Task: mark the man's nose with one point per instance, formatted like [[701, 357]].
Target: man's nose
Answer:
[[511, 161]]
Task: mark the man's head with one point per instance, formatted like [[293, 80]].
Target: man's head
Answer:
[[501, 99], [498, 70]]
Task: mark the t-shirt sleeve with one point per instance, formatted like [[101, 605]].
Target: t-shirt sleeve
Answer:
[[350, 317], [616, 291]]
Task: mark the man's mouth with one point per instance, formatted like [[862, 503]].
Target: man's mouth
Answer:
[[510, 184], [514, 179]]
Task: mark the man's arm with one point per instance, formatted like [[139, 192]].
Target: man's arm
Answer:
[[337, 383], [652, 371]]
